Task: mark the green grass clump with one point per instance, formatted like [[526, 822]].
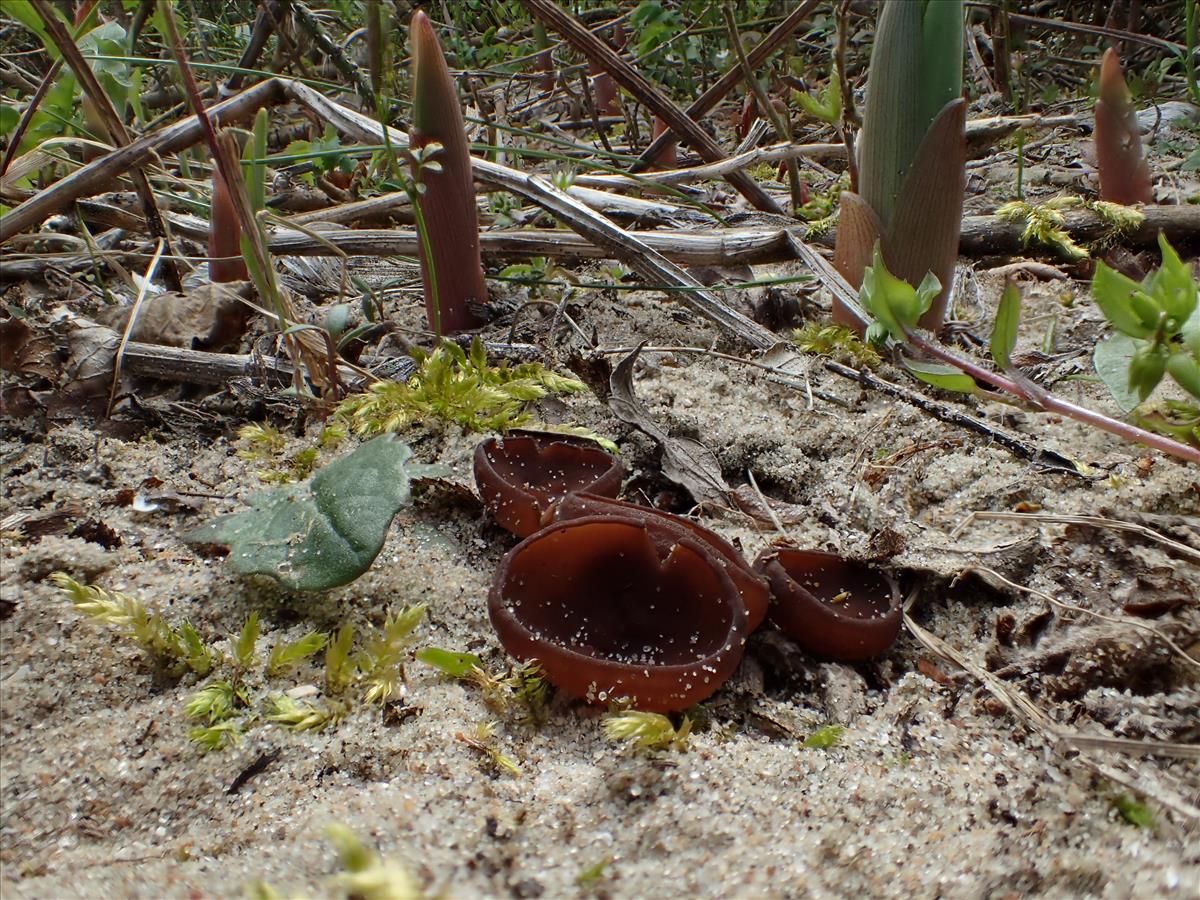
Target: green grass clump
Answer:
[[455, 386], [175, 650], [825, 737], [836, 342]]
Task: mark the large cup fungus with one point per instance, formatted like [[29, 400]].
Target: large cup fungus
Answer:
[[751, 585], [618, 608], [831, 606], [522, 475]]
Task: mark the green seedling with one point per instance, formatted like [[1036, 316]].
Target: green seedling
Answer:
[[522, 687], [593, 873], [483, 741], [212, 738], [300, 715], [456, 665], [1158, 334], [175, 650], [825, 108], [824, 737], [647, 730], [339, 668], [265, 444], [1134, 811], [381, 662], [285, 657], [325, 532], [216, 702], [246, 641], [455, 386], [367, 876]]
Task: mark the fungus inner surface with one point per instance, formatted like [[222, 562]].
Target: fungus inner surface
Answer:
[[605, 591]]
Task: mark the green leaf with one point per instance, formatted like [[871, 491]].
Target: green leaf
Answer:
[[285, 656], [1008, 318], [824, 738], [895, 303], [1113, 293], [1111, 358], [1192, 163], [456, 665], [1172, 285], [324, 532], [947, 378], [9, 118], [1134, 811], [1186, 371], [243, 648]]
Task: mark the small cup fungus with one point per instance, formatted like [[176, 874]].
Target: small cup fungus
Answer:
[[831, 606], [751, 585], [522, 475], [618, 608]]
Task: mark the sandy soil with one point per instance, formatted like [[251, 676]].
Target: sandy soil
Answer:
[[933, 789]]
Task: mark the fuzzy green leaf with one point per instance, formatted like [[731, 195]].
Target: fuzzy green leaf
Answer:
[[324, 532], [243, 648], [1008, 319], [1172, 286]]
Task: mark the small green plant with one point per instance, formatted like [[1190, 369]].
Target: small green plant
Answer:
[[522, 688], [285, 657], [265, 444], [367, 876], [1134, 811], [836, 342], [824, 737], [1158, 334], [824, 108], [175, 650], [381, 662], [300, 715], [216, 702], [455, 386], [593, 873], [213, 738], [647, 730], [483, 741]]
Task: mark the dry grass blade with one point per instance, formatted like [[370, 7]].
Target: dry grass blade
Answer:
[[1189, 553], [133, 314]]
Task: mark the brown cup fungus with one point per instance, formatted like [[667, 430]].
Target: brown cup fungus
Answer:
[[751, 585], [614, 608], [522, 475], [831, 606]]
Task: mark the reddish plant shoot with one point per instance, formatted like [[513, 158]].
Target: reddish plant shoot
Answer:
[[447, 197]]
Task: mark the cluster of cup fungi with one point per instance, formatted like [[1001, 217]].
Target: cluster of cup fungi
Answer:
[[620, 602]]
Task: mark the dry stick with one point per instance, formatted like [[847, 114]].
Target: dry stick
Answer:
[[633, 81], [952, 416], [1062, 741], [98, 177], [264, 25], [1071, 607], [116, 129], [773, 153], [708, 101], [764, 102], [335, 53], [621, 244]]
